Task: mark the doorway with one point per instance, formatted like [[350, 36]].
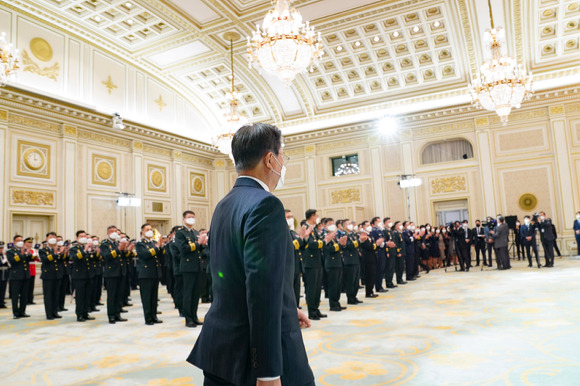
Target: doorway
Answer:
[[161, 225], [32, 226], [451, 211]]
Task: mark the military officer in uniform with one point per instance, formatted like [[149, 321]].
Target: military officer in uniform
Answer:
[[298, 244], [3, 275], [312, 262], [401, 252], [332, 253], [391, 252], [98, 290], [377, 233], [547, 238], [351, 263], [149, 271], [190, 244], [81, 266], [19, 258], [177, 275], [368, 248], [112, 251], [126, 260], [49, 255]]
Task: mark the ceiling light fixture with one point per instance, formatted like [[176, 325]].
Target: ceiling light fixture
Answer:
[[396, 34], [97, 18], [416, 29], [129, 21], [339, 48], [128, 5], [9, 59], [347, 168], [357, 44], [437, 24], [284, 46], [501, 83], [233, 119], [377, 39]]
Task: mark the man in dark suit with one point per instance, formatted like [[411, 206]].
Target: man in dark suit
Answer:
[[19, 258], [149, 271], [190, 245], [464, 239], [528, 239], [251, 334], [547, 237], [479, 242], [500, 243], [577, 231]]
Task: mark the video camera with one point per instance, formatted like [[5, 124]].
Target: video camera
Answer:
[[489, 222]]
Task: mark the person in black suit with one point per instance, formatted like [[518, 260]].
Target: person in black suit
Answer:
[[19, 258], [298, 244], [555, 240], [478, 234], [251, 334], [518, 241], [149, 271], [190, 245], [351, 264], [112, 252], [3, 276], [547, 237], [49, 255], [464, 238], [500, 243], [528, 239]]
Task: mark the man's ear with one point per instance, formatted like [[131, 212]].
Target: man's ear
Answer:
[[266, 159]]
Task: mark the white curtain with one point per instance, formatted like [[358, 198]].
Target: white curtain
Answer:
[[447, 151]]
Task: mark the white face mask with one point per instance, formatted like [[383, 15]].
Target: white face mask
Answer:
[[518, 224], [123, 240], [290, 222], [542, 218], [19, 244], [527, 221], [96, 243], [282, 175], [400, 227], [428, 228], [52, 241], [331, 228], [437, 231], [349, 227], [444, 231], [369, 229], [390, 224], [317, 220], [114, 236], [413, 227], [82, 240], [60, 243], [578, 216], [190, 221], [148, 234], [381, 226]]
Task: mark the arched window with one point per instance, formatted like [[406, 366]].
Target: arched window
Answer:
[[447, 151]]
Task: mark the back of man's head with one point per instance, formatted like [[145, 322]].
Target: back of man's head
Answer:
[[252, 142]]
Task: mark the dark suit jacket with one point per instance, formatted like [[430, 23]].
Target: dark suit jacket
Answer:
[[49, 259], [19, 263], [501, 236], [251, 330], [80, 262], [111, 259], [546, 231], [189, 250], [148, 265]]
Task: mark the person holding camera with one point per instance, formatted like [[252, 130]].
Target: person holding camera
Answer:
[[19, 258], [489, 226], [547, 237]]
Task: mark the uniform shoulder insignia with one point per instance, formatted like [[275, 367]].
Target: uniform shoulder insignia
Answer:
[[296, 244]]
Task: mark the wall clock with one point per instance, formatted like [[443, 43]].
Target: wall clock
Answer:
[[34, 159]]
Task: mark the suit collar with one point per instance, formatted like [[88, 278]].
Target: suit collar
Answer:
[[251, 182]]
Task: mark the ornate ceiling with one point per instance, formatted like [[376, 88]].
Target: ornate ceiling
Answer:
[[381, 57]]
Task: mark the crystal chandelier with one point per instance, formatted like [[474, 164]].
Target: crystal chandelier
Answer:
[[233, 118], [347, 168], [9, 59], [284, 45], [501, 83]]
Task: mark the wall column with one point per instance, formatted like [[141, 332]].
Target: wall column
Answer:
[[138, 182], [563, 169], [311, 197], [221, 179], [378, 186], [484, 154]]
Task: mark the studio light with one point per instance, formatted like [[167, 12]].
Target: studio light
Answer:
[[388, 126], [412, 182], [128, 200]]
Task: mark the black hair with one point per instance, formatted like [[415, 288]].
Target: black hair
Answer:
[[188, 212], [287, 211], [144, 225], [251, 142], [51, 234], [16, 236], [386, 218], [111, 227], [374, 220], [310, 213], [79, 232], [175, 228]]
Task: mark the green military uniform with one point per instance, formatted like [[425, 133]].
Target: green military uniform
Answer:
[[332, 253], [19, 276], [149, 271], [178, 276], [391, 258], [190, 266], [400, 260], [51, 275], [81, 273], [312, 262], [351, 267]]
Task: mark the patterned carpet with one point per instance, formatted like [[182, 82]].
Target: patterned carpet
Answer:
[[520, 327]]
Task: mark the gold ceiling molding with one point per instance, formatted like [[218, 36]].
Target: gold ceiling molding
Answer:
[[177, 154], [3, 115], [522, 116], [297, 151], [30, 122], [341, 144], [572, 108], [345, 196], [556, 110], [32, 198], [83, 134], [518, 29], [444, 185], [467, 35], [220, 163], [479, 122], [137, 146], [70, 130], [156, 150], [460, 126], [197, 160]]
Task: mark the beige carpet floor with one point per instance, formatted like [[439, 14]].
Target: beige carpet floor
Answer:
[[517, 327]]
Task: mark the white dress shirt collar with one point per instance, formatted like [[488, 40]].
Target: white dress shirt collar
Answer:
[[262, 184]]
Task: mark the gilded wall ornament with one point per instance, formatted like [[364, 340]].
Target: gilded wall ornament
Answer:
[[528, 201], [448, 185], [109, 85], [41, 49], [29, 65], [104, 170], [345, 196], [32, 198], [157, 178], [33, 159], [196, 184], [160, 102]]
